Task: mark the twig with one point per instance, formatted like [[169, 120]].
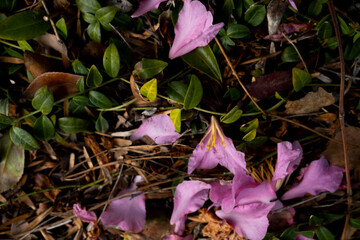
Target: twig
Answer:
[[121, 36], [237, 77], [342, 115], [51, 21], [292, 44]]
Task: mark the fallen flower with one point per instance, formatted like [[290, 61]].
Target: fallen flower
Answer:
[[193, 29], [146, 6], [176, 237], [318, 177], [128, 213], [84, 215], [159, 128], [189, 197], [215, 148]]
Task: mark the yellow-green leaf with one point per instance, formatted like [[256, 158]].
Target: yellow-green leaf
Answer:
[[149, 89], [175, 116]]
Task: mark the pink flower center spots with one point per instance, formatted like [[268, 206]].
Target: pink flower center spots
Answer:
[[210, 136]]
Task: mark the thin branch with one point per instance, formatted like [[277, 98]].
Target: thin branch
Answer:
[[292, 44], [51, 21]]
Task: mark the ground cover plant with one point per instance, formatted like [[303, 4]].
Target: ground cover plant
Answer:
[[228, 119]]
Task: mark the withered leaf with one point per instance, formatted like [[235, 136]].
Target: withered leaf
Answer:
[[267, 85], [44, 182], [275, 12], [37, 64], [60, 84], [312, 102]]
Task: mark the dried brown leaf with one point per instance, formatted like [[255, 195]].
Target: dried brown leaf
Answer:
[[312, 102], [37, 64], [44, 182]]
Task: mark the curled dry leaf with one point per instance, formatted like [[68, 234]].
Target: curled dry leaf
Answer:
[[60, 84], [141, 101], [44, 182], [50, 41], [312, 102], [267, 85], [37, 64]]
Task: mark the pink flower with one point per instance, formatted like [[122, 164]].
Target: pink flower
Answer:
[[302, 237], [85, 216], [127, 213], [176, 237], [318, 177], [292, 4], [159, 128], [146, 6], [189, 197], [215, 148], [193, 29]]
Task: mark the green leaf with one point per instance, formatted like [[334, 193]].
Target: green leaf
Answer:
[[4, 106], [233, 94], [255, 15], [23, 26], [88, 6], [315, 8], [80, 85], [203, 59], [79, 68], [105, 15], [177, 91], [73, 125], [324, 27], [343, 25], [290, 55], [99, 100], [194, 93], [147, 68], [44, 128], [61, 26], [239, 5], [257, 142], [5, 121], [149, 89], [43, 100], [355, 223], [232, 116], [89, 17], [308, 234], [175, 116], [352, 50], [111, 61], [23, 139], [77, 105], [12, 159], [24, 45], [300, 78], [314, 221], [331, 217], [289, 233], [101, 124], [94, 78], [238, 31], [248, 127], [324, 234], [248, 3], [250, 136], [94, 31], [226, 10]]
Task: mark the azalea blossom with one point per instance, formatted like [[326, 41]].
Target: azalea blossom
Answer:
[[193, 29], [84, 215], [128, 213], [176, 237], [215, 148], [292, 4], [159, 128], [189, 197], [146, 6], [318, 177]]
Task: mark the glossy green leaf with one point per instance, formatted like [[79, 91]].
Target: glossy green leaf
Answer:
[[148, 68], [352, 50], [253, 124], [315, 7], [12, 159], [203, 59], [23, 26], [289, 233], [23, 139], [99, 100], [77, 105], [325, 30], [194, 93], [13, 53], [94, 78], [149, 89], [101, 124], [324, 234], [94, 31], [73, 125], [238, 31], [5, 121], [233, 94], [344, 26], [314, 221], [308, 234], [255, 15], [24, 45], [80, 85], [232, 116], [250, 136], [105, 15], [61, 26], [290, 55], [4, 106], [248, 3], [175, 116], [300, 78], [43, 100], [79, 68], [257, 142], [44, 128], [111, 61], [177, 91], [355, 223], [88, 6], [89, 17]]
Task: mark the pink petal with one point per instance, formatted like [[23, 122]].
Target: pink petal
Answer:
[[262, 193], [85, 216], [189, 197], [288, 158], [318, 177], [250, 220], [281, 219], [193, 29], [176, 237], [127, 213], [302, 237], [221, 194], [292, 4], [159, 128], [146, 6]]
